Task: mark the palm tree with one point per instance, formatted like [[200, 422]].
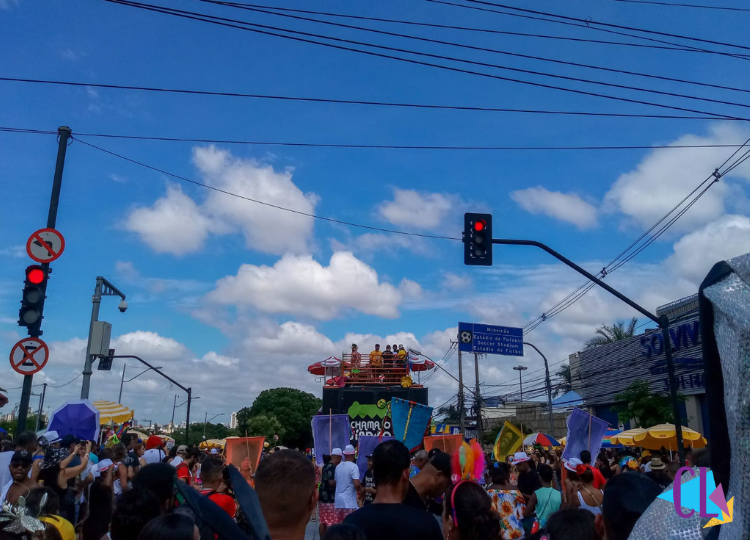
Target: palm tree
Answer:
[[610, 334], [566, 380]]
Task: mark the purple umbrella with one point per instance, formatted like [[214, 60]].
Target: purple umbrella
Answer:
[[79, 418]]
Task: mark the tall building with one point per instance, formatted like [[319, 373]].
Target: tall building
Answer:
[[233, 421]]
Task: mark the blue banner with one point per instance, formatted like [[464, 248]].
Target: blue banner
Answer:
[[329, 432], [367, 444], [410, 421]]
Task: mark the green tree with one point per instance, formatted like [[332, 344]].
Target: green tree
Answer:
[[11, 426], [243, 417], [265, 425], [565, 380], [212, 431], [609, 334], [448, 415], [648, 408], [295, 410]]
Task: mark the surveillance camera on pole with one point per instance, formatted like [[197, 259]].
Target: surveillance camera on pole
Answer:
[[123, 306]]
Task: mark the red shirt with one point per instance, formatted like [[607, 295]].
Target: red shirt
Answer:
[[224, 501], [183, 473], [599, 479]]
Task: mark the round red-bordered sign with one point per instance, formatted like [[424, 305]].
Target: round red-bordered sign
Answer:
[[29, 356], [45, 245]]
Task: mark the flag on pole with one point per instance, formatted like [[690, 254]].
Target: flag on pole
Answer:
[[508, 441], [410, 421]]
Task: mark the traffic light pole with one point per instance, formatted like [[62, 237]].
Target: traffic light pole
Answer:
[[62, 147], [662, 321], [188, 391]]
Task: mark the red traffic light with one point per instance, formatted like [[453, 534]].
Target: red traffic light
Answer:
[[35, 275], [480, 226]]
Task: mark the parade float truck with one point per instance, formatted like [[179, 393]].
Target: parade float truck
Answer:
[[362, 389]]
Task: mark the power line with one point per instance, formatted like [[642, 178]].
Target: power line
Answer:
[[586, 25], [255, 9], [696, 6], [481, 30], [614, 264], [589, 22], [376, 146], [255, 28], [354, 102], [299, 212]]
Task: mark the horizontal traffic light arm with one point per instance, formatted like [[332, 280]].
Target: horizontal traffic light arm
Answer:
[[574, 266]]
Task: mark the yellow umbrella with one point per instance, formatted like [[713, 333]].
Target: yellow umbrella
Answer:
[[563, 440], [625, 438], [665, 435], [113, 413], [213, 443]]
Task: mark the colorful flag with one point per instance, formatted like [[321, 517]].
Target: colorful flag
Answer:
[[446, 443], [585, 432], [329, 432], [508, 441], [410, 421]]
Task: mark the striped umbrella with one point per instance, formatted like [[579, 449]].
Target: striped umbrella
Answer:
[[540, 438], [625, 438], [113, 413]]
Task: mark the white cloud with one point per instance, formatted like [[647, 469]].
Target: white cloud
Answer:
[[666, 176], [695, 253], [174, 224], [566, 207], [14, 252], [410, 289], [454, 282], [300, 285], [410, 208], [266, 229]]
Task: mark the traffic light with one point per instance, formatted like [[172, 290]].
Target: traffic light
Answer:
[[478, 239], [32, 303]]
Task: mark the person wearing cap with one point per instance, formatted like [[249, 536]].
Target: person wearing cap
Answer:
[[388, 518], [368, 481], [429, 483], [20, 484], [26, 441], [626, 498], [570, 484], [528, 478], [347, 482], [154, 450], [179, 456], [658, 472], [63, 527]]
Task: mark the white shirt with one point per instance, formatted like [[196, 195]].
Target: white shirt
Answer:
[[155, 455], [6, 488], [5, 467], [346, 494], [176, 462]]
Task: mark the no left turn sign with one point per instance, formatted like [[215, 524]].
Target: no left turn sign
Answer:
[[29, 356], [45, 245]]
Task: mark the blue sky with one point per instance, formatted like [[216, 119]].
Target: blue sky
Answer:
[[234, 297]]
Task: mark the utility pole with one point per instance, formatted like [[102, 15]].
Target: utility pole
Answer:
[[187, 420], [41, 405], [63, 133], [519, 369], [478, 403], [174, 406], [461, 419], [549, 389], [122, 382]]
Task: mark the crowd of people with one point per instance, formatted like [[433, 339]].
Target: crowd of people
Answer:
[[135, 490]]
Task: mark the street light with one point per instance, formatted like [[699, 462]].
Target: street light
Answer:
[[174, 406], [519, 369], [123, 381], [206, 421], [549, 388], [103, 288]]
